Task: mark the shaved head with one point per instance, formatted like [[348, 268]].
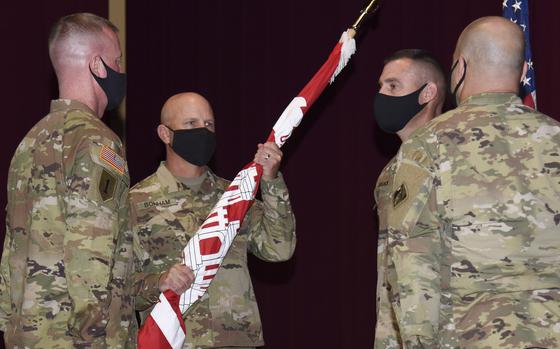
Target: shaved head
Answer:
[[186, 103], [493, 49], [80, 46], [74, 38], [184, 111]]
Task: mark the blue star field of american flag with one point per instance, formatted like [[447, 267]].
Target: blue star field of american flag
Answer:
[[517, 11]]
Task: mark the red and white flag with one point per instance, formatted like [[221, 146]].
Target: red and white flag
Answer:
[[164, 327]]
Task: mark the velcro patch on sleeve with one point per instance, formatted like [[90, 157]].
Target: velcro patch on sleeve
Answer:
[[108, 156], [107, 185], [400, 195]]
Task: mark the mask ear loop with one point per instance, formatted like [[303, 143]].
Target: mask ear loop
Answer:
[[462, 78], [172, 130], [420, 92]]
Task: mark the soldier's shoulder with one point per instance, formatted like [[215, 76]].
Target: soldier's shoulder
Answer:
[[147, 193], [452, 120], [83, 125], [149, 184], [421, 148], [449, 119], [545, 119], [389, 167], [48, 124], [46, 130], [221, 183]]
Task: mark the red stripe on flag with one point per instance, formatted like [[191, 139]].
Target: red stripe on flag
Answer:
[[210, 245], [212, 266], [528, 101], [150, 336], [209, 225], [212, 215]]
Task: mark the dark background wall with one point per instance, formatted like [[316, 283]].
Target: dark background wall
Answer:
[[250, 58]]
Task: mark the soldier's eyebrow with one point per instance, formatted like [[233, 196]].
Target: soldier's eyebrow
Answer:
[[388, 81]]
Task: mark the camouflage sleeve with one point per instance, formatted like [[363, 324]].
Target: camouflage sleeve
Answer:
[[93, 191], [122, 316], [271, 223], [145, 284], [414, 250], [5, 299], [386, 327]]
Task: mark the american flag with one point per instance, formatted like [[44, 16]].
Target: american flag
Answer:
[[517, 11], [109, 156]]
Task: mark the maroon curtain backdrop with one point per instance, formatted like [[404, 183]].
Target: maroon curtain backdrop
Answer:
[[250, 58]]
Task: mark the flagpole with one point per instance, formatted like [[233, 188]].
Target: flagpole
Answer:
[[364, 13]]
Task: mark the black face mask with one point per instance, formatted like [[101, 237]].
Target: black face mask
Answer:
[[461, 81], [194, 145], [114, 86], [393, 113]]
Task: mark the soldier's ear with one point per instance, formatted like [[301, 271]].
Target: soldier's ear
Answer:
[[164, 134], [96, 67], [429, 93]]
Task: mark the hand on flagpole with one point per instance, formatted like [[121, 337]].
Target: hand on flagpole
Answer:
[[269, 156], [178, 279]]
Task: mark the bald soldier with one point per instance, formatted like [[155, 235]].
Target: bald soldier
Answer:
[[169, 206], [473, 228], [411, 93], [67, 249]]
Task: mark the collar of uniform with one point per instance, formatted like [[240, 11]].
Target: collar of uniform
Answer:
[[172, 184], [492, 98], [61, 105]]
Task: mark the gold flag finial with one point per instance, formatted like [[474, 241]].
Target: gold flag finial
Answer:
[[369, 8]]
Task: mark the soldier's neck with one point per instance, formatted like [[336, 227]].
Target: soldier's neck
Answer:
[[76, 95]]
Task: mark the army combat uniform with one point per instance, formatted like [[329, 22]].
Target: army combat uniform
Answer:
[[386, 329], [473, 229], [165, 215], [65, 263]]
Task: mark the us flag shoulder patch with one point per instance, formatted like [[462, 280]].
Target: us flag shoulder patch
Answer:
[[108, 156]]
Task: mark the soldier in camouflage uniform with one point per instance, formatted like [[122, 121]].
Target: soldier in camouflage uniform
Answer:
[[473, 228], [66, 255], [169, 206], [405, 72]]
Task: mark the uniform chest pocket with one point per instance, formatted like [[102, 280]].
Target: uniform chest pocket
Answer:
[[167, 230]]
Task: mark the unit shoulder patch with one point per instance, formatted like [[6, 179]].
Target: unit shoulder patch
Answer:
[[107, 185], [400, 195]]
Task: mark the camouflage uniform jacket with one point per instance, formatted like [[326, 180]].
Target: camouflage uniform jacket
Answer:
[[474, 235], [165, 214], [64, 264], [386, 329]]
